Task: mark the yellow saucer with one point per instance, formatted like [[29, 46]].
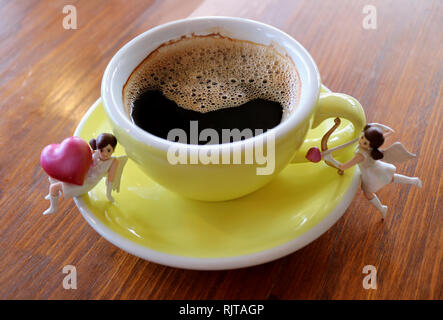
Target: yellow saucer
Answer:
[[153, 223]]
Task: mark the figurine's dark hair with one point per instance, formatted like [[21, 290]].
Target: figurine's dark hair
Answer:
[[376, 140], [103, 140]]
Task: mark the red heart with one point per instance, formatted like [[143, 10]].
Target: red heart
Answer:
[[68, 161], [313, 155]]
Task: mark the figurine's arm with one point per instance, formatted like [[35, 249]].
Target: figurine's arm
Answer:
[[356, 160], [112, 169], [95, 155], [385, 129], [387, 133], [110, 179]]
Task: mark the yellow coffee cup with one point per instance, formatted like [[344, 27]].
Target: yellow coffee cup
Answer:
[[242, 167]]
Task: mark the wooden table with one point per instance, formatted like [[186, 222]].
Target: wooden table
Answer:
[[50, 76]]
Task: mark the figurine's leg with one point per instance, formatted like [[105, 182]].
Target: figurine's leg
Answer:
[[372, 197], [54, 191], [398, 178], [59, 188]]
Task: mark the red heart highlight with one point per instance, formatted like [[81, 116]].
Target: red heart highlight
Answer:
[[313, 155], [68, 161]]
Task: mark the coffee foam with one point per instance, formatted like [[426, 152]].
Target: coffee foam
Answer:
[[207, 73]]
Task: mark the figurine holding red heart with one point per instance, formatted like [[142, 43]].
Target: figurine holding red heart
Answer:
[[74, 168]]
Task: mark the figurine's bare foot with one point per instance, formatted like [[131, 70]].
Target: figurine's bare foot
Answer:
[[53, 208], [418, 182], [383, 211], [50, 210]]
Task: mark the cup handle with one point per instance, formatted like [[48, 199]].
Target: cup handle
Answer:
[[332, 105]]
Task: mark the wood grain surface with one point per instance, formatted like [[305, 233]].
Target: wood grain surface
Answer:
[[50, 76]]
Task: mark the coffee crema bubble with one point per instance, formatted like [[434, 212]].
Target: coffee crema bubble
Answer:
[[207, 74]]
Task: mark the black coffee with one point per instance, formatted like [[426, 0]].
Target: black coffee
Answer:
[[156, 114], [219, 82]]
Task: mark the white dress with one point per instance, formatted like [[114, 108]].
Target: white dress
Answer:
[[98, 170], [375, 174]]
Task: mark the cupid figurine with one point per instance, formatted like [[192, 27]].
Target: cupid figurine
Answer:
[[74, 168], [375, 173]]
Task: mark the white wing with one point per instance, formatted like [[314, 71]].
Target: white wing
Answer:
[[396, 153], [118, 173]]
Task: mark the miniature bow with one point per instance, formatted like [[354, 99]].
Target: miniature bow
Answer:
[[314, 155], [327, 157]]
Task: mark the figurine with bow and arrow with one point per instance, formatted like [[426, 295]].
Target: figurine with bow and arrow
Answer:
[[375, 173]]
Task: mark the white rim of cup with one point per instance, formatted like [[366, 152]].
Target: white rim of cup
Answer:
[[115, 110]]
